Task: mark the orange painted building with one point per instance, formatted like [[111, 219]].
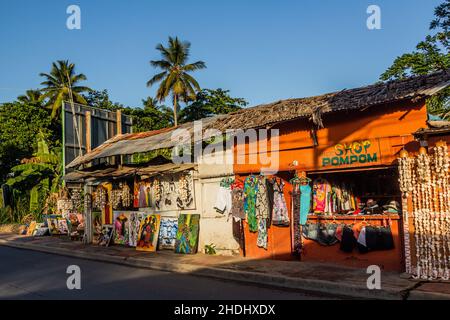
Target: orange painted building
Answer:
[[350, 142]]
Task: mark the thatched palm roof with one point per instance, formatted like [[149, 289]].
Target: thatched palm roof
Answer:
[[414, 88]]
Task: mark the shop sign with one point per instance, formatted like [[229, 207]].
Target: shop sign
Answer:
[[357, 152]]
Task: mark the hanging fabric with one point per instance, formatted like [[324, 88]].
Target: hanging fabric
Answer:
[[223, 200], [280, 215], [320, 196], [262, 200], [237, 200], [250, 190], [296, 217], [305, 202], [262, 233], [136, 193]]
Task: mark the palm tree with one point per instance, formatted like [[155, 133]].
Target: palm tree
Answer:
[[62, 84], [32, 97], [175, 78]]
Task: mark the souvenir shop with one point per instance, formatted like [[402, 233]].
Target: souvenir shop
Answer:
[[336, 196], [158, 207], [148, 209]]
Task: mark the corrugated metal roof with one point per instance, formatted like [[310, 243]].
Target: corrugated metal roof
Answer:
[[128, 171], [140, 142]]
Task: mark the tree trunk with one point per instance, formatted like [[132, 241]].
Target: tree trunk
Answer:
[[175, 117]]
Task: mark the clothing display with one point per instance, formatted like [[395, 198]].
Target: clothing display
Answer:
[[262, 233], [305, 202], [379, 238], [237, 200], [223, 200], [280, 215], [238, 233], [327, 234], [296, 218], [270, 193], [321, 189], [250, 190], [333, 198], [311, 231], [262, 200], [348, 241]]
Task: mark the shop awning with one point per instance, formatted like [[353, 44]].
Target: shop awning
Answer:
[[116, 173]]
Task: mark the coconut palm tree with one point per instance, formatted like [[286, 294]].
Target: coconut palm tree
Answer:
[[32, 97], [175, 79], [62, 84]]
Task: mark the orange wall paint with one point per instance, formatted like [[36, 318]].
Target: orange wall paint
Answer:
[[388, 128]]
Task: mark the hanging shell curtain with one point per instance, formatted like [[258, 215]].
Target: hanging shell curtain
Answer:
[[425, 179]]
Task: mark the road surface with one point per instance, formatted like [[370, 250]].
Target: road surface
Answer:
[[28, 274]]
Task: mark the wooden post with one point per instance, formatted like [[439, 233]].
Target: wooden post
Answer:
[[119, 121], [88, 132]]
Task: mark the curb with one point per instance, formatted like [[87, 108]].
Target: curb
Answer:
[[327, 288]]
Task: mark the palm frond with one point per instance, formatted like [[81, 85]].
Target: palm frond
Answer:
[[156, 78]]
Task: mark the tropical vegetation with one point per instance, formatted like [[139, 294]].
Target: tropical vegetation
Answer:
[[174, 79], [31, 129], [431, 55]]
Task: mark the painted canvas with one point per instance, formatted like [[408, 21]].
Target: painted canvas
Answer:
[[31, 228], [104, 238], [135, 222], [144, 194], [40, 230], [62, 226], [52, 224], [97, 223], [168, 233], [121, 228], [187, 233], [148, 233]]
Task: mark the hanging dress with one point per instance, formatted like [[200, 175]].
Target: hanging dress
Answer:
[[262, 199], [262, 233], [237, 200], [320, 196], [136, 194], [250, 190], [305, 203], [237, 213], [262, 212], [280, 216], [296, 209]]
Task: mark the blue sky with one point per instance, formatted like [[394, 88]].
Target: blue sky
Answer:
[[261, 50]]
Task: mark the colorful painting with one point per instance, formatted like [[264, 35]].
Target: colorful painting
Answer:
[[40, 230], [187, 233], [62, 226], [57, 226], [121, 228], [105, 236], [31, 228], [168, 233], [148, 233], [75, 223], [97, 223], [46, 217], [144, 194], [135, 222]]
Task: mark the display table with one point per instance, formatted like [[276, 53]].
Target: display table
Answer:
[[387, 260]]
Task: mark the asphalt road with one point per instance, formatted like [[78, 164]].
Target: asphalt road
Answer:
[[28, 274]]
